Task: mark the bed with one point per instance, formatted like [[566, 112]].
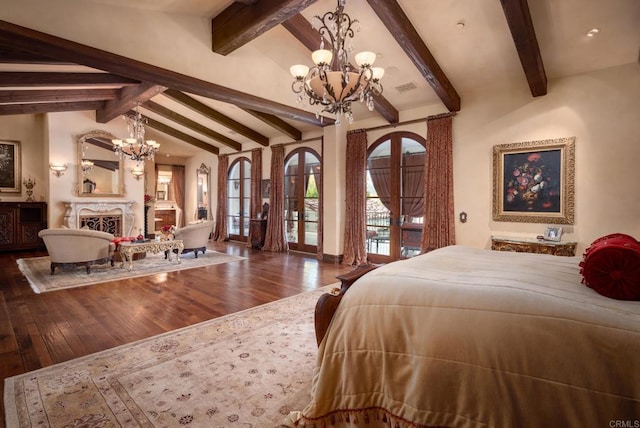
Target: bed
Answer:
[[467, 337]]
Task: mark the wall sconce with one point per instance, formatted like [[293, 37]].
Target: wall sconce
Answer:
[[137, 173], [58, 169]]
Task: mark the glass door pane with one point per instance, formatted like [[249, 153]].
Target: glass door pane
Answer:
[[379, 214], [412, 196], [302, 199], [238, 199]]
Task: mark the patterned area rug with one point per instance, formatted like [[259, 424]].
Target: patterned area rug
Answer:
[[38, 271], [247, 369]]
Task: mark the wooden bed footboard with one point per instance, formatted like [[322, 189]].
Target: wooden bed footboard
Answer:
[[328, 302]]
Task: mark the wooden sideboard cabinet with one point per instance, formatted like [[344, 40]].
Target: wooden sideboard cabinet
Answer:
[[20, 223], [524, 245], [165, 216]]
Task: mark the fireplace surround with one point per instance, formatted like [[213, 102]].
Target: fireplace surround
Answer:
[[115, 217]]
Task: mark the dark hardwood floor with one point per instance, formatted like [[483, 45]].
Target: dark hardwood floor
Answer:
[[38, 330]]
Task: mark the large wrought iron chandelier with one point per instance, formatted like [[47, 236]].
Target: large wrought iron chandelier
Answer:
[[333, 83], [136, 147]]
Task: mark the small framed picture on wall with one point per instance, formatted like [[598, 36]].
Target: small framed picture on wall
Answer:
[[266, 189], [10, 180]]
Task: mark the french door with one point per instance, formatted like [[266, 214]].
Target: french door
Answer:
[[302, 180], [239, 199], [395, 196]]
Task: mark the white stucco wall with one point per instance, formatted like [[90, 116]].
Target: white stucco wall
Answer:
[[600, 109]]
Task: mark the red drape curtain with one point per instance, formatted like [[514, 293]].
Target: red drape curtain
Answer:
[[275, 239], [220, 231], [177, 188], [317, 175], [439, 227], [355, 251], [256, 188], [154, 187], [413, 184], [380, 172]]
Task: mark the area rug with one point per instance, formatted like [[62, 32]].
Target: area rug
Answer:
[[247, 369], [38, 271]]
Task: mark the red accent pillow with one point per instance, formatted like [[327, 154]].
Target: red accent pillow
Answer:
[[611, 266]]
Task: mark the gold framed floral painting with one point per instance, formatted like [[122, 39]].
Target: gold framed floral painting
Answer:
[[533, 181]]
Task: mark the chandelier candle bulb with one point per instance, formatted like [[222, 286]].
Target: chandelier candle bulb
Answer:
[[321, 57], [365, 59], [378, 72], [299, 71]]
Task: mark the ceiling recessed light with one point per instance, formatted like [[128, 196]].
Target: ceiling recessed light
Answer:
[[593, 32]]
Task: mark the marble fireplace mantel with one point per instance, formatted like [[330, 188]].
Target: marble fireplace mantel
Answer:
[[74, 211]]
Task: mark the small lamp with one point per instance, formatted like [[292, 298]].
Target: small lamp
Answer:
[[58, 169]]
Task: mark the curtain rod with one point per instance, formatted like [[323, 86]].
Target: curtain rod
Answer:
[[375, 128], [302, 141], [283, 144], [408, 122]]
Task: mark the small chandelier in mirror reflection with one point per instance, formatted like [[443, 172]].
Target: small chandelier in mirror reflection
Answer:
[[333, 83], [136, 147], [86, 166]]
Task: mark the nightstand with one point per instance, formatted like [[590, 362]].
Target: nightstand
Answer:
[[531, 245]]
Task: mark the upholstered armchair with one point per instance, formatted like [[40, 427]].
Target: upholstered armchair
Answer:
[[69, 248], [194, 236]]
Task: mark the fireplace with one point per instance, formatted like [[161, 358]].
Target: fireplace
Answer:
[[116, 218], [104, 223]]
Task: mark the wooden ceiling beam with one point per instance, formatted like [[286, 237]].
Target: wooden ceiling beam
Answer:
[[277, 123], [216, 116], [400, 27], [524, 37], [65, 50], [34, 79], [9, 55], [240, 23], [35, 108], [159, 126], [193, 125], [310, 37], [57, 95], [129, 98]]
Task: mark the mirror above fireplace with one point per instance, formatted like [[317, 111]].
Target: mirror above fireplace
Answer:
[[100, 169]]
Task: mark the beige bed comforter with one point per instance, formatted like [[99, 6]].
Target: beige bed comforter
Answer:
[[467, 337]]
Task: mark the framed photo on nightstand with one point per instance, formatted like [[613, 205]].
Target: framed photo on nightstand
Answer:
[[553, 233]]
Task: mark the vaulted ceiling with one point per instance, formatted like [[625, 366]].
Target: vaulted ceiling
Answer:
[[434, 53]]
